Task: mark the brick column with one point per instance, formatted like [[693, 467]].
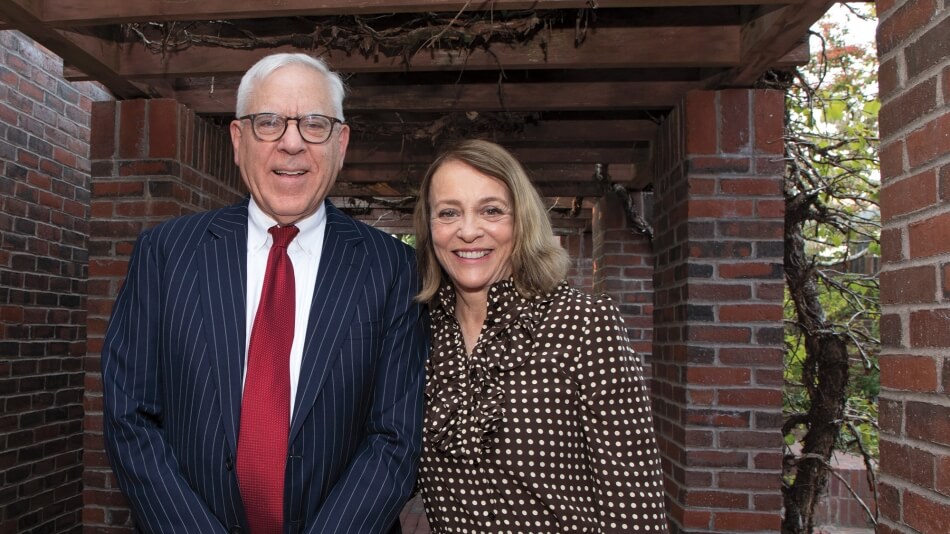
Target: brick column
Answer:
[[623, 268], [151, 160], [915, 276], [44, 203], [579, 246], [718, 335]]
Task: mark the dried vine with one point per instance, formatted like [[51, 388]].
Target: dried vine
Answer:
[[447, 128], [372, 37], [637, 222], [830, 203]]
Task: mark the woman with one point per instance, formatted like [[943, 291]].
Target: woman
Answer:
[[537, 417]]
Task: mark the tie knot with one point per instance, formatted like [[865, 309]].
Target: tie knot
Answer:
[[283, 235]]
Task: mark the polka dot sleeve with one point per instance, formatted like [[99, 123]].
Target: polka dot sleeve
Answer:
[[618, 427]]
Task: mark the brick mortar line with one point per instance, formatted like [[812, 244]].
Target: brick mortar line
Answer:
[[909, 39], [905, 485]]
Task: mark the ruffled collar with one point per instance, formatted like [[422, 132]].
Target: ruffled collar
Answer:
[[463, 392], [503, 297]]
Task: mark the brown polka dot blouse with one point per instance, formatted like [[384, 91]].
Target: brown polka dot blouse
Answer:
[[545, 427]]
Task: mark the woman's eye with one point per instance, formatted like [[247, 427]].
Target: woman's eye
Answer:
[[447, 214], [493, 211]]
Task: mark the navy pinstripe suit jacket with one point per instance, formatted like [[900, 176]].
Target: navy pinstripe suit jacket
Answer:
[[172, 364]]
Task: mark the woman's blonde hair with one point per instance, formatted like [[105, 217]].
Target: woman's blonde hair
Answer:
[[538, 263]]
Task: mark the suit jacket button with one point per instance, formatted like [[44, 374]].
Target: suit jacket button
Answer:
[[229, 465], [235, 529]]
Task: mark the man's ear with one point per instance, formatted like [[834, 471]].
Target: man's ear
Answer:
[[344, 142], [236, 133]]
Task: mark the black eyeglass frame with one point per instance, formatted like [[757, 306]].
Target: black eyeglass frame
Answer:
[[251, 116]]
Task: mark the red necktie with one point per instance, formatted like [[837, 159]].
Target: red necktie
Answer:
[[265, 407]]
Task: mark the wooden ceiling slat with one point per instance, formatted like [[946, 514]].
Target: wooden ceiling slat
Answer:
[[555, 173], [480, 97], [90, 12], [603, 48], [589, 130], [403, 224], [551, 154], [540, 172], [799, 55], [399, 220], [544, 133], [522, 96], [347, 188]]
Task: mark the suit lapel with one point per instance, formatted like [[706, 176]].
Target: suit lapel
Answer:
[[335, 296], [222, 273]]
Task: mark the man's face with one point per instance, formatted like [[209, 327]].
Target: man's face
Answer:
[[289, 177]]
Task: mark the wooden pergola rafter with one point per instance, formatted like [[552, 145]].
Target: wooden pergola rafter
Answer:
[[593, 84]]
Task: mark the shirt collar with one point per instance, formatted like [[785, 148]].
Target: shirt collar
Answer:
[[259, 222]]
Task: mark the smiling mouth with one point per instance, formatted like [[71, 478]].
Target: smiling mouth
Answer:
[[289, 173], [472, 254]]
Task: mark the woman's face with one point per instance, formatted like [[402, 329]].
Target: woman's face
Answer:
[[472, 226]]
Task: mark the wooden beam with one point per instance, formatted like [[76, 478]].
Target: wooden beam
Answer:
[[544, 132], [343, 188], [800, 55], [558, 173], [366, 153], [552, 96], [769, 36], [93, 56], [396, 182], [400, 207], [356, 171], [547, 132], [642, 176], [561, 205], [588, 131], [92, 12], [606, 47], [399, 220]]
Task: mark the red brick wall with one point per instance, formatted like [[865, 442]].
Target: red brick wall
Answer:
[[915, 280], [151, 160], [579, 246], [44, 203], [839, 507], [718, 336], [623, 268]]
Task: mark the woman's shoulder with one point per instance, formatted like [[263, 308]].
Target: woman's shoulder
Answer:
[[569, 309], [570, 298]]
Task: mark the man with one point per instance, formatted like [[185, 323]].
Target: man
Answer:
[[263, 368]]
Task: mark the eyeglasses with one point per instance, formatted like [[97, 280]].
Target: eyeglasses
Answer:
[[313, 128]]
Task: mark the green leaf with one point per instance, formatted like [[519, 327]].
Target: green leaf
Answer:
[[835, 110]]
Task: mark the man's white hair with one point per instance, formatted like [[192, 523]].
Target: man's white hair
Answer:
[[266, 66]]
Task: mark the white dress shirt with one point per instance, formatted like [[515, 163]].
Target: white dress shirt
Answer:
[[304, 252]]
